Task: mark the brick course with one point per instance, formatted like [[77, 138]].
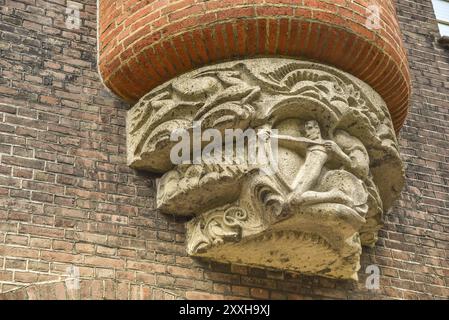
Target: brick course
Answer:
[[67, 197]]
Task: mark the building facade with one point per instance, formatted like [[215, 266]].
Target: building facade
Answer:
[[88, 206]]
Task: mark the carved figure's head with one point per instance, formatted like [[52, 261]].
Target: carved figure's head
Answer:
[[312, 129]]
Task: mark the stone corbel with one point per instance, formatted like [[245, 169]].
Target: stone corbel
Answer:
[[337, 169]]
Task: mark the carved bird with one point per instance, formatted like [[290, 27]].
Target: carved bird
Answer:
[[236, 90]]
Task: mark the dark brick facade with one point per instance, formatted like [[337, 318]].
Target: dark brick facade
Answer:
[[67, 197]]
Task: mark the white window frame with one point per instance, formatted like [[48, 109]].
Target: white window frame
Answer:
[[441, 21]]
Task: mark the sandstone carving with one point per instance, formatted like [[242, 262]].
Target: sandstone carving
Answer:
[[337, 163]]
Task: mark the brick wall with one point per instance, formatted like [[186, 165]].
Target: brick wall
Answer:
[[67, 197]]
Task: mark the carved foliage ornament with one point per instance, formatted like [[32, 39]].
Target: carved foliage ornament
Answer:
[[338, 165]]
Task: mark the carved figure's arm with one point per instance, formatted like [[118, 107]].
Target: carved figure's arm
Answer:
[[300, 141], [338, 153]]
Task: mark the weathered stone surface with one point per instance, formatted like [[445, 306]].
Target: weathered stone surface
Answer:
[[338, 166]]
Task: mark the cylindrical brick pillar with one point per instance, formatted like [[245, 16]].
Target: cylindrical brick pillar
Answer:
[[145, 43]]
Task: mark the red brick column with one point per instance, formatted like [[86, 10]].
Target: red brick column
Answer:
[[145, 43]]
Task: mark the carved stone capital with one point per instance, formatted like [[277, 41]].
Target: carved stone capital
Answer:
[[337, 163]]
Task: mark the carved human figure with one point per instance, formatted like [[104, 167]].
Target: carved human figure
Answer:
[[316, 157], [338, 186], [348, 184]]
